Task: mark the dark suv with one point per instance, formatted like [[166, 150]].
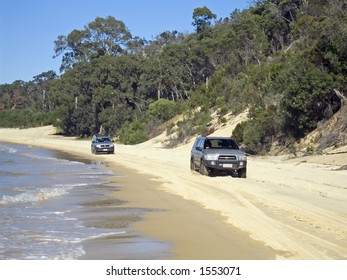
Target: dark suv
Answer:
[[218, 154], [102, 144]]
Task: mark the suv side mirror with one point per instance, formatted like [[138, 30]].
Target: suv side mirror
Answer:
[[199, 148]]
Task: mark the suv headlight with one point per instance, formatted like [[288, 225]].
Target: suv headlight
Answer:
[[211, 157], [242, 157]]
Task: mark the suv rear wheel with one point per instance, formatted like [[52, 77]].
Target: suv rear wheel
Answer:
[[192, 165]]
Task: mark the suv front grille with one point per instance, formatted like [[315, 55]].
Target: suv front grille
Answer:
[[227, 158]]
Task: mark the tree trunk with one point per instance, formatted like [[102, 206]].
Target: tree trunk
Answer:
[[341, 96]]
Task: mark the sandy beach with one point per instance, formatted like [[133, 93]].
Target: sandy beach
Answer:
[[287, 208]]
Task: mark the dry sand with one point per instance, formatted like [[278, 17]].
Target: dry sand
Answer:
[[285, 209]]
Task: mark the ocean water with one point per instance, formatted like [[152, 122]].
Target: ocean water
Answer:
[[53, 205]]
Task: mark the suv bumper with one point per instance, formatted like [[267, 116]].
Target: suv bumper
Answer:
[[221, 165], [109, 150]]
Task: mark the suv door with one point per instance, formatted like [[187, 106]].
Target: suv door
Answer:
[[197, 151], [92, 145]]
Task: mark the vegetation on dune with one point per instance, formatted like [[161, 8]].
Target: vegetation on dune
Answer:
[[281, 59]]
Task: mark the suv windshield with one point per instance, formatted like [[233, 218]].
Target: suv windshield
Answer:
[[102, 139], [220, 144]]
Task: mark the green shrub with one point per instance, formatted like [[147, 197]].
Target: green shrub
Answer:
[[238, 132], [260, 131], [223, 120], [133, 134], [25, 118], [163, 109], [310, 150], [201, 122]]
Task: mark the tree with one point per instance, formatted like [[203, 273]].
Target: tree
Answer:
[[39, 88], [103, 36], [202, 19], [307, 96], [73, 48], [175, 80], [108, 36]]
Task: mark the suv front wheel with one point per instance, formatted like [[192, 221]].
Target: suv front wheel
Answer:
[[242, 172], [203, 169]]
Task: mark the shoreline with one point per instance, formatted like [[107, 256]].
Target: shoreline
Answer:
[[286, 209]]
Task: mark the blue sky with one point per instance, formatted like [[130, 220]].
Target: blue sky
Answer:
[[28, 28]]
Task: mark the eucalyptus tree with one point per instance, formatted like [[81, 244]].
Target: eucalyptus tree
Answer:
[[175, 72], [202, 19], [116, 97], [103, 36], [38, 90], [70, 97]]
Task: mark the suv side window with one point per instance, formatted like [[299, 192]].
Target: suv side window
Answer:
[[196, 143], [200, 143]]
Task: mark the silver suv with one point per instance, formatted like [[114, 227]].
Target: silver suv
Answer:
[[218, 154], [102, 144]]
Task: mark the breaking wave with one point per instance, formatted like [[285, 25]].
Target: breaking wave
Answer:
[[38, 195]]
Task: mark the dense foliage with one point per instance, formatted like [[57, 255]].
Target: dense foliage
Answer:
[[282, 59]]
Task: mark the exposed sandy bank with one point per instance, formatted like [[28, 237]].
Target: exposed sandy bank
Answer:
[[298, 207]]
